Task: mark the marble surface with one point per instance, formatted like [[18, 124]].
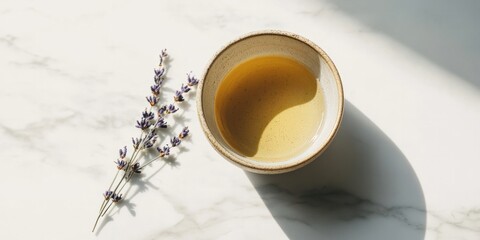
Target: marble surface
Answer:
[[405, 164]]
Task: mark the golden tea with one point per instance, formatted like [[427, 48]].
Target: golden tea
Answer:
[[269, 108]]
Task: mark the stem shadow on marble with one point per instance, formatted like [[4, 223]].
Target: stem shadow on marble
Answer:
[[362, 187]]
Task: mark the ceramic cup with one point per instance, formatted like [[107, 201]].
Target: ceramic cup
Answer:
[[269, 43]]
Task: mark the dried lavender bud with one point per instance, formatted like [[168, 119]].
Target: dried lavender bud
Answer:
[[175, 141], [150, 139], [172, 108], [161, 123], [185, 88], [191, 80], [155, 89], [149, 144], [158, 80], [178, 97], [152, 134], [116, 198], [164, 54], [148, 115], [152, 100], [136, 168], [162, 110], [123, 152], [143, 124], [120, 164], [159, 71], [165, 151], [184, 133], [107, 194], [136, 142]]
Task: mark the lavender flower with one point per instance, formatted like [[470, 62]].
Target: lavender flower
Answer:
[[107, 194], [150, 139], [136, 142], [120, 164], [161, 123], [151, 135], [175, 141], [148, 144], [136, 168], [159, 71], [184, 133], [185, 88], [178, 96], [158, 80], [165, 151], [172, 109], [162, 56], [143, 124], [155, 89], [162, 110], [152, 100], [123, 152], [116, 198], [191, 80], [148, 115]]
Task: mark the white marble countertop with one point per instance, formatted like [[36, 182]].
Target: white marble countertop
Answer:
[[405, 164]]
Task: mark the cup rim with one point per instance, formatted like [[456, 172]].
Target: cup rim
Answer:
[[252, 166]]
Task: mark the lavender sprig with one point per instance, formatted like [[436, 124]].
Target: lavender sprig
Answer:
[[161, 123], [123, 152], [184, 133], [185, 88], [192, 80], [175, 141], [163, 151], [162, 110], [116, 198], [143, 124], [163, 55], [121, 164], [178, 96], [107, 194], [136, 142], [148, 115], [149, 123], [150, 139], [155, 89], [171, 109], [160, 70], [153, 100]]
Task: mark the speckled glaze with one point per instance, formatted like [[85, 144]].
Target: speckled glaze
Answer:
[[272, 43]]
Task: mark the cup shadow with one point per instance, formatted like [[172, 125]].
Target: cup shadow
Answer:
[[362, 187]]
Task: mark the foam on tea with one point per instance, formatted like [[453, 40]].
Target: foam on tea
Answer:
[[269, 108]]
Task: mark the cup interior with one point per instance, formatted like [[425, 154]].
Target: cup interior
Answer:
[[272, 43]]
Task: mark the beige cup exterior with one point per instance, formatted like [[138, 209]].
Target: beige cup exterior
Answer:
[[268, 43]]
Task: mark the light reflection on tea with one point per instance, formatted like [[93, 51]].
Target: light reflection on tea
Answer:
[[269, 108]]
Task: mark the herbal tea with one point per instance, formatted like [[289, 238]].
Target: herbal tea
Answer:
[[269, 108]]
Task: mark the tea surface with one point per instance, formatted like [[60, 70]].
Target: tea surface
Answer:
[[269, 108]]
